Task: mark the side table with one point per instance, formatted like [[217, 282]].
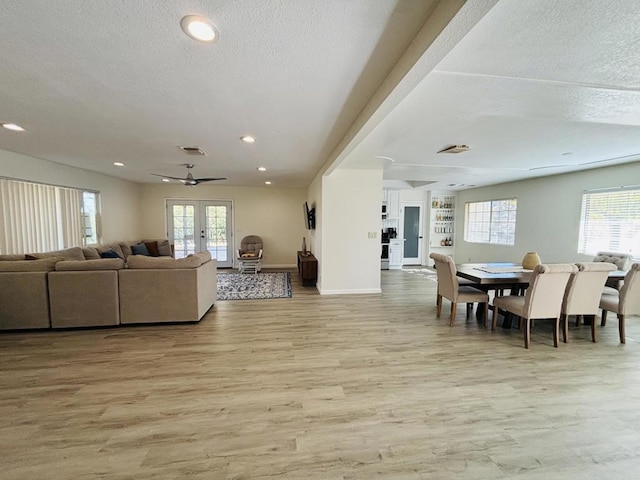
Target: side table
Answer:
[[308, 268]]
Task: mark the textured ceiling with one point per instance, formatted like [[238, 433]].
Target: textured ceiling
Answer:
[[522, 82], [536, 87], [98, 81]]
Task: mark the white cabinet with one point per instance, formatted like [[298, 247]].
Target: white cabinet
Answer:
[[393, 204], [442, 223], [395, 253]]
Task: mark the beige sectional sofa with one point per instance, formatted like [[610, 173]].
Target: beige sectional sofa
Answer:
[[77, 288]]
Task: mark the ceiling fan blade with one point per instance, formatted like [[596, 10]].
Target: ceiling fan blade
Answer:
[[167, 176], [209, 179]]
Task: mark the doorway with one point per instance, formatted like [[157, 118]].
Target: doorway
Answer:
[[411, 232], [199, 225]]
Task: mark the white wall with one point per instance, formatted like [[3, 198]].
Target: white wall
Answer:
[[548, 216], [119, 198], [275, 214], [351, 202]]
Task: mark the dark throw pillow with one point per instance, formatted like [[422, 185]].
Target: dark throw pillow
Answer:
[[109, 254], [30, 257], [153, 249], [140, 249]]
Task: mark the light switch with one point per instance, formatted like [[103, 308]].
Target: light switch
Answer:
[[373, 234]]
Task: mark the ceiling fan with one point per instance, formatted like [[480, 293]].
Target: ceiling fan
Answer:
[[189, 180]]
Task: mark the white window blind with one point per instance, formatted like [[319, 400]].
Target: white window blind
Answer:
[[610, 221], [39, 218], [492, 221]]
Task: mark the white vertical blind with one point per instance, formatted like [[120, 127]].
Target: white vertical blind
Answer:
[[38, 218], [71, 220], [610, 221]]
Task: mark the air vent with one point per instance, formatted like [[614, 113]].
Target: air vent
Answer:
[[192, 150], [455, 149]]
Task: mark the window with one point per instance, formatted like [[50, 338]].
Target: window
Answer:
[[610, 221], [35, 217], [493, 221]]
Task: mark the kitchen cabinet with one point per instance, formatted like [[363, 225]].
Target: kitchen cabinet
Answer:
[[395, 253], [393, 204]]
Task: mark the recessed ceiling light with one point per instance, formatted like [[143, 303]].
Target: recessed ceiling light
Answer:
[[118, 164], [267, 182], [248, 139], [262, 169], [13, 127], [166, 180], [199, 28], [567, 153]]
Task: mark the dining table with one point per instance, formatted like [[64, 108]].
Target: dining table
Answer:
[[504, 275]]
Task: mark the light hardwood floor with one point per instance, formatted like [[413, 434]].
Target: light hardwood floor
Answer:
[[338, 387]]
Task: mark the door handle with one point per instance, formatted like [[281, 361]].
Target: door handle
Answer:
[[420, 238]]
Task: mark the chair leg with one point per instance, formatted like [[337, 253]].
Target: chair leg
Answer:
[[603, 321], [556, 331], [454, 306], [527, 333], [438, 306], [486, 314], [494, 321], [594, 337], [565, 326], [621, 328], [469, 309], [578, 319]]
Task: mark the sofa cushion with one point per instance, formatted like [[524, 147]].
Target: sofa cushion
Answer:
[[84, 265], [153, 248], [12, 258], [109, 254], [164, 247], [112, 246], [73, 253], [40, 265], [140, 261], [140, 249], [90, 253]]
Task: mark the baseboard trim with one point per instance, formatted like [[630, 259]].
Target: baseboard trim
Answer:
[[354, 291]]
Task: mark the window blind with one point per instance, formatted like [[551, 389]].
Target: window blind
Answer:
[[610, 221], [37, 218]]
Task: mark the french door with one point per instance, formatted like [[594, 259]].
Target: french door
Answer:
[[411, 232], [199, 225]]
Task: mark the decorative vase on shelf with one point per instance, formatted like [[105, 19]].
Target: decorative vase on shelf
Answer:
[[531, 260], [304, 245]]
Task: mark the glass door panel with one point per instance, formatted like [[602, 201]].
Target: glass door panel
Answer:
[[199, 225]]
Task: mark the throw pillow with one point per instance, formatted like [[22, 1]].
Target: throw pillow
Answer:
[[109, 254], [153, 248], [30, 257], [140, 249]]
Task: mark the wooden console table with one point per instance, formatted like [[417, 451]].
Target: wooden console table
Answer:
[[308, 269]]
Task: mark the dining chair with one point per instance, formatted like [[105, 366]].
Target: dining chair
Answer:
[[583, 292], [543, 298], [626, 302], [449, 288]]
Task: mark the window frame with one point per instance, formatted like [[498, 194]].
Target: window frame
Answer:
[[489, 224]]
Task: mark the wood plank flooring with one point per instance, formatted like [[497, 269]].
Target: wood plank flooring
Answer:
[[312, 387]]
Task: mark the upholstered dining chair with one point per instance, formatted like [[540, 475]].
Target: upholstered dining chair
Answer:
[[543, 298], [250, 254], [449, 288], [583, 292], [626, 302]]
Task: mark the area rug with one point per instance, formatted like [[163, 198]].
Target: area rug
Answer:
[[423, 272], [254, 286]]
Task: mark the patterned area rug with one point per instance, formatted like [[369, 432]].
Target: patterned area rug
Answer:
[[424, 272], [254, 286]]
